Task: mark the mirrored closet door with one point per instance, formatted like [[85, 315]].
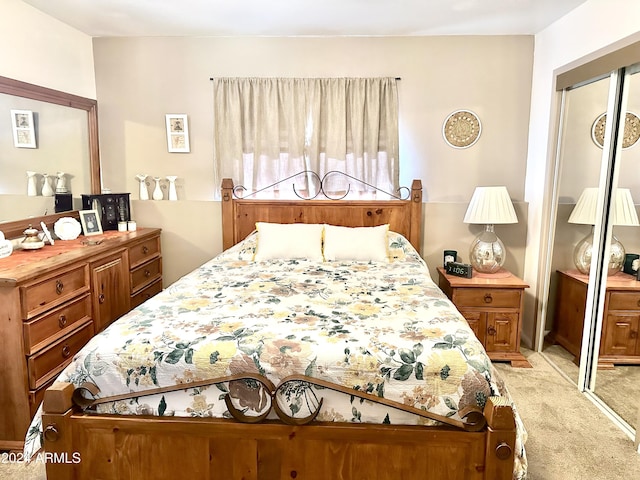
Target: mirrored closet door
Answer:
[[616, 381], [592, 320]]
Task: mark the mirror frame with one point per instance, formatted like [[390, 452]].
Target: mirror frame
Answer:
[[36, 92]]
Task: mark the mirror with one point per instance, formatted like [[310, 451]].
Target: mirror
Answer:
[[605, 359], [579, 168], [66, 130], [617, 380]]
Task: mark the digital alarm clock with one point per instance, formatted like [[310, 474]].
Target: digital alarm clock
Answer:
[[459, 269]]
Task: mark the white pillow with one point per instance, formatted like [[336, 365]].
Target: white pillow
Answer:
[[356, 243], [288, 240]]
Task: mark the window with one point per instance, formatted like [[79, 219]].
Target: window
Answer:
[[269, 129]]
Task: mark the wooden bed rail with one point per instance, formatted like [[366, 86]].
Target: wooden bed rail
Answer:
[[82, 446]]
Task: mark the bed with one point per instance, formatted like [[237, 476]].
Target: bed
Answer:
[[303, 363]]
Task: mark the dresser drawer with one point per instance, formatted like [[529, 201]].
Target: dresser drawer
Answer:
[[146, 293], [146, 274], [37, 396], [144, 251], [624, 301], [49, 362], [53, 291], [487, 297], [51, 326]]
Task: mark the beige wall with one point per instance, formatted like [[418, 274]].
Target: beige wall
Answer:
[[139, 80], [37, 49]]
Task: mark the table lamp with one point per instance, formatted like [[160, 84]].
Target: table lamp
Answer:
[[489, 206], [585, 212]]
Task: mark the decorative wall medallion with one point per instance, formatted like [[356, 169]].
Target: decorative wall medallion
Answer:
[[631, 130], [462, 129]]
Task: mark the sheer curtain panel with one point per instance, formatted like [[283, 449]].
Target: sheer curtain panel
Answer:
[[268, 129]]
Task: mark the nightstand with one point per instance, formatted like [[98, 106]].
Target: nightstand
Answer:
[[619, 342], [492, 305]]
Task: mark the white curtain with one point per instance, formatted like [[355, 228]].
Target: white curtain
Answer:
[[268, 129]]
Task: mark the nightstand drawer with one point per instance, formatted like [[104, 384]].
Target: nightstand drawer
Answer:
[[487, 297], [53, 325], [49, 362], [39, 297], [624, 301]]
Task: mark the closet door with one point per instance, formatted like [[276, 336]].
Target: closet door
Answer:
[[617, 380], [593, 313], [579, 169]]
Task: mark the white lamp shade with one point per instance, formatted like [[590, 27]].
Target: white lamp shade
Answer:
[[490, 206], [623, 211]]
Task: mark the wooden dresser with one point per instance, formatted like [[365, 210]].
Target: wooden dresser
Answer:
[[621, 319], [492, 306], [53, 300]]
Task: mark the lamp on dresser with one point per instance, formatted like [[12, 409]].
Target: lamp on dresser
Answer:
[[585, 212], [489, 206]]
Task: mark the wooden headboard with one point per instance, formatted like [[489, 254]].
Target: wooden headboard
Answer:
[[239, 215]]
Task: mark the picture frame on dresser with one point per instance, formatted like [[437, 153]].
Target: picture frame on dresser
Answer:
[[90, 222]]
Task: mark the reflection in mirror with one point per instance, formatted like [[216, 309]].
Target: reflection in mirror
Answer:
[[579, 161], [66, 127], [62, 145], [618, 376]]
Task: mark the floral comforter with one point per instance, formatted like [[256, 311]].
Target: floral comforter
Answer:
[[380, 328]]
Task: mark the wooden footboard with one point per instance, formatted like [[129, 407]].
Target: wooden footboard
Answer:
[[89, 446]]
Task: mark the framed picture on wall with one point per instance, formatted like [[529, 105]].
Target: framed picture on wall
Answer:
[[24, 132], [177, 133]]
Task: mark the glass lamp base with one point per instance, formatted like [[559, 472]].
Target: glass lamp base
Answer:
[[487, 253], [583, 252]]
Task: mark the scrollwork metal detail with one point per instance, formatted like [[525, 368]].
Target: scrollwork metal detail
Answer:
[[472, 419], [402, 193]]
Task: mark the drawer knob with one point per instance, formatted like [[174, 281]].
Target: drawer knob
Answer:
[[145, 249], [66, 351], [491, 330], [503, 451], [62, 321], [147, 273], [59, 287], [51, 433], [488, 298], [101, 298]]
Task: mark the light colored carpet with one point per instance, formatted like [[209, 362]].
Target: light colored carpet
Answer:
[[619, 388], [569, 437]]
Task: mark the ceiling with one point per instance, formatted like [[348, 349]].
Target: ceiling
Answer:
[[109, 18]]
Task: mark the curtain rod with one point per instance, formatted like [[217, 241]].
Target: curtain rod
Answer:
[[396, 78]]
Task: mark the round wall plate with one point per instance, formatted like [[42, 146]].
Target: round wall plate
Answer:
[[461, 129], [631, 130]]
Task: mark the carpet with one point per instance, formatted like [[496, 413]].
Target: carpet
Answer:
[[569, 437], [619, 388]]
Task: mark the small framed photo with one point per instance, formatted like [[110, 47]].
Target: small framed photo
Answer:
[[24, 132], [90, 222], [177, 133]]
